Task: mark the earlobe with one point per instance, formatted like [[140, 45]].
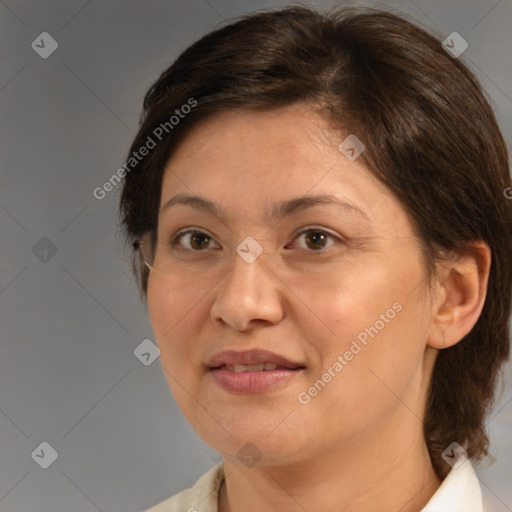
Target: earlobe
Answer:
[[461, 295]]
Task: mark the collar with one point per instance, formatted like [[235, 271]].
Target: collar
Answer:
[[459, 492]]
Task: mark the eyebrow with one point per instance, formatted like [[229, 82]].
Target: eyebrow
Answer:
[[281, 209]]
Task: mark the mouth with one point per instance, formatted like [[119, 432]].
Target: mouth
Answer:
[[253, 371], [251, 360], [239, 368]]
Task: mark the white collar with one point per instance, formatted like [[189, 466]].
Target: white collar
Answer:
[[459, 492]]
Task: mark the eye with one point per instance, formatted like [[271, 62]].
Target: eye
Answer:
[[198, 240], [316, 239]]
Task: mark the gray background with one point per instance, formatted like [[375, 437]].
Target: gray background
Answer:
[[70, 321]]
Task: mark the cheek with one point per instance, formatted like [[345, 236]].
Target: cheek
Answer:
[[349, 302], [381, 344], [172, 309], [171, 300], [376, 322]]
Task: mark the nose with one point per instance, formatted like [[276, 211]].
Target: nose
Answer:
[[249, 294]]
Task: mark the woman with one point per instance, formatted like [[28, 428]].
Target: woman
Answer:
[[323, 241]]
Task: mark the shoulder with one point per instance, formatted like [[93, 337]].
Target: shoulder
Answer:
[[202, 496]]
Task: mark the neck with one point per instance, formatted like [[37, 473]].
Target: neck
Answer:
[[370, 475]]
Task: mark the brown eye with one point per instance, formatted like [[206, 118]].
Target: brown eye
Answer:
[[316, 239], [198, 240]]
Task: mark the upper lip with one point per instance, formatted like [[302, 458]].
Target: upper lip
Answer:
[[250, 357]]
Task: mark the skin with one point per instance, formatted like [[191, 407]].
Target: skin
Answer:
[[358, 444]]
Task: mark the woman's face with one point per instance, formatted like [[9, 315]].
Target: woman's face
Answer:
[[338, 289]]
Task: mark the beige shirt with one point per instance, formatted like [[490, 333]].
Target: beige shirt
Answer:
[[459, 492]]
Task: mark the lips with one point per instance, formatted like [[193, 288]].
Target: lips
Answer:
[[253, 371], [252, 367], [252, 360]]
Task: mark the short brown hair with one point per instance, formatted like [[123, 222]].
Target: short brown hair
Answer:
[[430, 136]]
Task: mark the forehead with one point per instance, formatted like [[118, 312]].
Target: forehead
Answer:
[[295, 129], [282, 145], [246, 158]]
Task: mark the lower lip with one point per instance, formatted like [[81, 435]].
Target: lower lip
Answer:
[[252, 382]]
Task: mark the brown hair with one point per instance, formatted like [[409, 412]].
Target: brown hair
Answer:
[[430, 136]]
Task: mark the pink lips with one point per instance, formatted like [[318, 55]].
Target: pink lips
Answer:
[[252, 371]]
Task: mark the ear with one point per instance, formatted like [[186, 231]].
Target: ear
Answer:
[[461, 291]]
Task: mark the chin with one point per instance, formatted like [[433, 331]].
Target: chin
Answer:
[[258, 441]]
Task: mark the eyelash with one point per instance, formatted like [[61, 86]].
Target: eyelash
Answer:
[[181, 234]]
